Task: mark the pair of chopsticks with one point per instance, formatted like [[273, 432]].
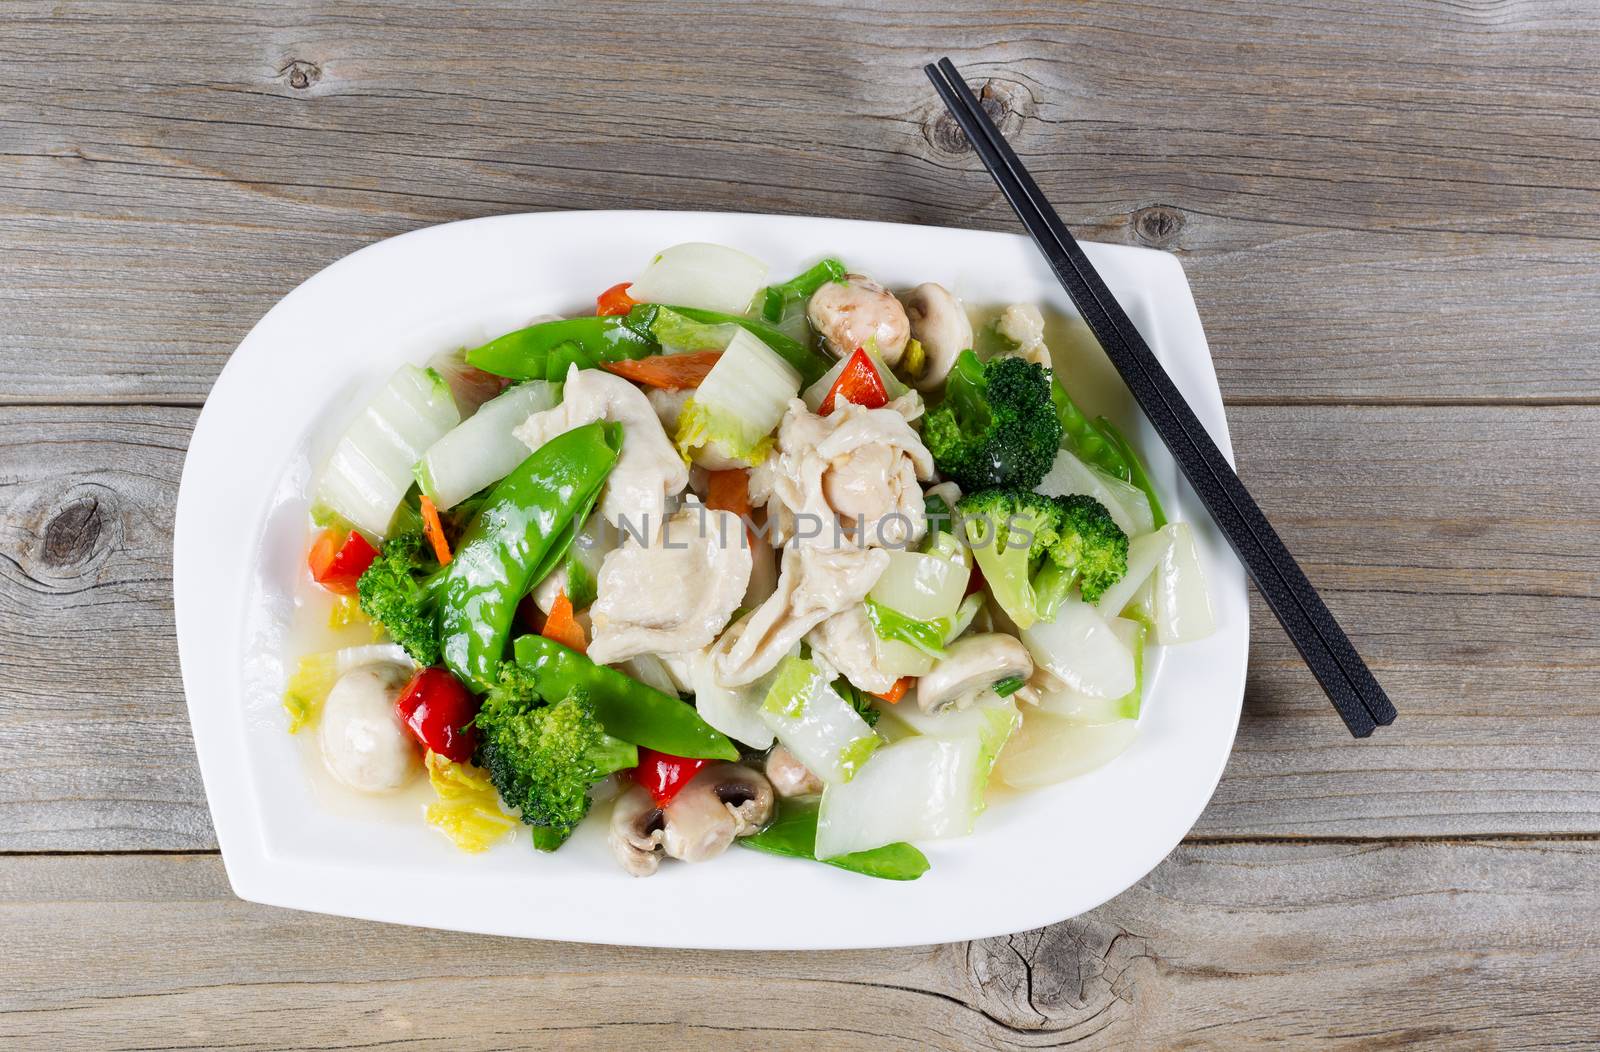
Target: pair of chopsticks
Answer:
[[1350, 685]]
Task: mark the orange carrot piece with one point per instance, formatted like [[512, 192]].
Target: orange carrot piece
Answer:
[[896, 692], [670, 372], [562, 626], [433, 529], [729, 491]]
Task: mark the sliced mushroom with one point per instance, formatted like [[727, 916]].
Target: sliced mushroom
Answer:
[[790, 777], [852, 312], [939, 322], [970, 665], [723, 802]]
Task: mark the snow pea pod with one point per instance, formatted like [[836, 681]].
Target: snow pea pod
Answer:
[[506, 542], [628, 709], [778, 299], [794, 834], [1098, 443], [1136, 472], [526, 354]]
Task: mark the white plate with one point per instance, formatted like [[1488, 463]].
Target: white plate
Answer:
[[1033, 860]]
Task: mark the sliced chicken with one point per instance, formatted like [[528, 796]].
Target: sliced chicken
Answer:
[[856, 467], [848, 643], [675, 594], [813, 585], [649, 469]]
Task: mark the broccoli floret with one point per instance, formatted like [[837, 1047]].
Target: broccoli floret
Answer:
[[543, 758], [997, 425], [1032, 548], [396, 591]]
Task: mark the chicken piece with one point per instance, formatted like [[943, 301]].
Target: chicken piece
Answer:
[[814, 584], [675, 594], [848, 643], [648, 471], [856, 467]]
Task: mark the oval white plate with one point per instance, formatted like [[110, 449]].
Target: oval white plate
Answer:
[[1034, 859]]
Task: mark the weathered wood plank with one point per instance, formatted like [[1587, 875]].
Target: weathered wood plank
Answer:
[[1222, 946], [1349, 184], [1452, 540]]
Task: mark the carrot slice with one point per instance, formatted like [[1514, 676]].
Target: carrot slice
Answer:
[[729, 491], [670, 372], [896, 692], [433, 529], [562, 626]]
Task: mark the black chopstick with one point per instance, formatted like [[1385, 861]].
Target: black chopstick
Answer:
[[1350, 685]]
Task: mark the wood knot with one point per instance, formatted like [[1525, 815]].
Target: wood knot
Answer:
[[1006, 103], [72, 533], [1058, 978], [301, 74], [1157, 226]]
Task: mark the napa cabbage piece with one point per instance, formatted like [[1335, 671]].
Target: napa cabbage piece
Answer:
[[740, 402], [816, 722], [735, 711], [315, 674], [1076, 705], [467, 808], [921, 587], [990, 722], [1080, 648], [370, 469], [678, 333], [918, 788], [1182, 606], [699, 274], [1051, 748], [1128, 505], [481, 450]]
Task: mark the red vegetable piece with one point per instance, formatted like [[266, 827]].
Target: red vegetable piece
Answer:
[[338, 560], [436, 708], [615, 300], [663, 774], [858, 382]]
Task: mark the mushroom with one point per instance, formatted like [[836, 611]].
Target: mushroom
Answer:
[[721, 803], [790, 777], [364, 744], [972, 664], [940, 324], [858, 310]]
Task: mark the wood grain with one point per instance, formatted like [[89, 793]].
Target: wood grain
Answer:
[[1451, 539], [1223, 946], [1349, 185]]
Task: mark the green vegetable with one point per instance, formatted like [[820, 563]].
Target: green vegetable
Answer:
[[543, 758], [794, 834], [509, 539], [679, 332], [847, 690], [777, 300], [1009, 686], [398, 591], [1136, 473], [996, 426], [891, 624], [1033, 548], [528, 354], [627, 709], [1099, 444], [582, 588]]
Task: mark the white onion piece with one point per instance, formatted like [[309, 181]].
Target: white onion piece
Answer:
[[482, 449], [918, 788], [1128, 505], [1082, 651], [734, 712], [1050, 749], [922, 587], [825, 731], [1144, 555], [697, 274], [1182, 606], [370, 469]]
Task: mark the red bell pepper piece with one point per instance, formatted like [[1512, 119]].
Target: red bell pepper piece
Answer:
[[615, 300], [858, 382], [437, 710], [338, 560], [663, 775]]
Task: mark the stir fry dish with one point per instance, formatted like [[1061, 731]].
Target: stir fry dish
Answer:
[[809, 567]]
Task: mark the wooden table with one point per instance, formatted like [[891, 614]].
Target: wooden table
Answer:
[[1390, 214]]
